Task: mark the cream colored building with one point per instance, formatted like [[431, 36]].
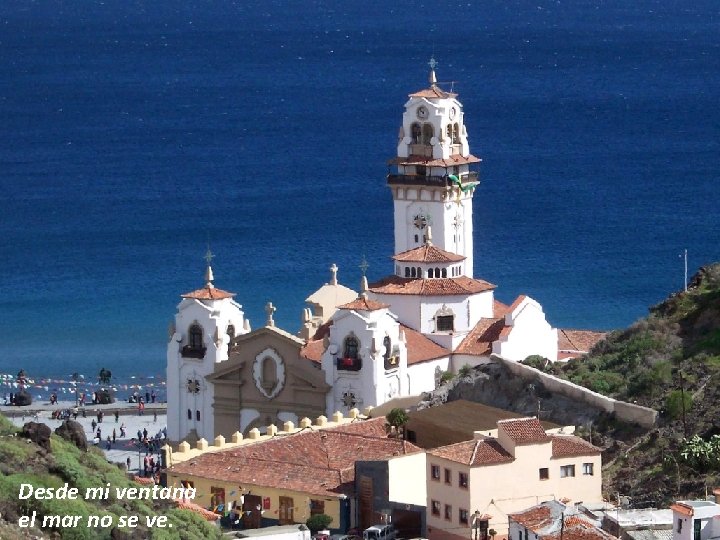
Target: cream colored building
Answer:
[[487, 478]]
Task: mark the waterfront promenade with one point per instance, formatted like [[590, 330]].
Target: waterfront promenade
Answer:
[[154, 420]]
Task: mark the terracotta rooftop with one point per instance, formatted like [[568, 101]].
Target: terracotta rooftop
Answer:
[[578, 340], [314, 462], [452, 161], [480, 339], [524, 430], [549, 522], [500, 309], [431, 287], [313, 350], [433, 92], [569, 445], [364, 304], [428, 254], [208, 293], [420, 348], [474, 453]]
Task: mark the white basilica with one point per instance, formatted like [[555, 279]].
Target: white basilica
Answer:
[[392, 339]]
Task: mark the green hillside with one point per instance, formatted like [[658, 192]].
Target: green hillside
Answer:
[[24, 462], [669, 361]]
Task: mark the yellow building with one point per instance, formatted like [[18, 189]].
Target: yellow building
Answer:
[[288, 477]]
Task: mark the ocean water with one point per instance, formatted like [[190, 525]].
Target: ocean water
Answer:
[[134, 133]]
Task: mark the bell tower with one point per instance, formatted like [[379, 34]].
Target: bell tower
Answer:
[[430, 178]]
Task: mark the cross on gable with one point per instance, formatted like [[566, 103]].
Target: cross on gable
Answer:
[[269, 310]]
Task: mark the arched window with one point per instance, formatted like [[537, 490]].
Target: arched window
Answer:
[[456, 134], [413, 272], [352, 346], [407, 271], [269, 372], [437, 272], [231, 331], [419, 272], [427, 133], [444, 272], [415, 133], [449, 131], [350, 360], [195, 337], [430, 272]]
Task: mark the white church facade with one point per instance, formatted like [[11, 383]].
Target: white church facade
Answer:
[[392, 339]]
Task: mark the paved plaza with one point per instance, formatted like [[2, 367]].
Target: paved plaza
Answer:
[[153, 420]]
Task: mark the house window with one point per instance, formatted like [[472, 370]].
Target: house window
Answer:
[[435, 472], [435, 507], [448, 512], [217, 497], [544, 473], [317, 507], [189, 414], [197, 415], [588, 469], [444, 323], [463, 480], [456, 134], [567, 470], [463, 516], [407, 268], [679, 527], [413, 272], [231, 331], [444, 272], [430, 273], [448, 476], [187, 484], [526, 534], [697, 529]]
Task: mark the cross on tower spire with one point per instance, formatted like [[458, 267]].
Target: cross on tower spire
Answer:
[[270, 309], [208, 272], [433, 64], [333, 274]]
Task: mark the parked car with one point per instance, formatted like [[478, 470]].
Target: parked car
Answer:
[[379, 532]]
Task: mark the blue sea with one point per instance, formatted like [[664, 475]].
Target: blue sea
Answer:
[[135, 133]]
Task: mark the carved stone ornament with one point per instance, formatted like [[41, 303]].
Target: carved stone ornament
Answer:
[[269, 379]]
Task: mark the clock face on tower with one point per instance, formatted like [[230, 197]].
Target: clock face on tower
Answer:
[[453, 112], [422, 113]]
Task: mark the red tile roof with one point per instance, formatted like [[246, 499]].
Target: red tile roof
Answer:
[[313, 350], [535, 518], [364, 304], [206, 514], [420, 348], [431, 287], [480, 339], [578, 340], [208, 293], [569, 445], [433, 92], [452, 161], [524, 430], [474, 453], [318, 462], [428, 254], [500, 309]]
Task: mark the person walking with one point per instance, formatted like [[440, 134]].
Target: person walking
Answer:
[[117, 417], [128, 463], [109, 443], [114, 435]]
